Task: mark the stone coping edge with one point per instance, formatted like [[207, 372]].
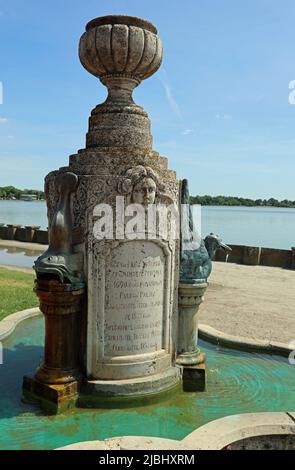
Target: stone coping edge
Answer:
[[222, 432], [210, 334], [215, 435], [9, 323]]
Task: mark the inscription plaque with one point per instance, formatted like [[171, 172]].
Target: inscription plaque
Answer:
[[134, 299]]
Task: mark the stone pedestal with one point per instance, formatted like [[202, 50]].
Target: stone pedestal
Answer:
[[194, 376], [52, 398], [55, 381], [189, 356]]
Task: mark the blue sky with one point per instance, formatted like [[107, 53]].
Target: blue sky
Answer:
[[219, 104]]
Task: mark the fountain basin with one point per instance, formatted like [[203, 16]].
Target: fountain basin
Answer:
[[238, 382]]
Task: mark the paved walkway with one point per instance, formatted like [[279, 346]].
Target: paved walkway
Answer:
[[256, 302], [23, 245], [17, 268]]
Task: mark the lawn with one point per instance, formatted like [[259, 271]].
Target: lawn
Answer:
[[16, 292]]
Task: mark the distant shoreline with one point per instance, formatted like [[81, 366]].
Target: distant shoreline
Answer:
[[192, 202], [249, 207], [232, 201], [21, 200], [10, 193]]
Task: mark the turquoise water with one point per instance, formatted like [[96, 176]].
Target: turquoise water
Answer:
[[237, 383], [269, 227]]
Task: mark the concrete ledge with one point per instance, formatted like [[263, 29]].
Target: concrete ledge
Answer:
[[208, 333], [256, 255], [8, 324], [128, 443], [215, 435], [86, 445], [220, 433], [36, 247]]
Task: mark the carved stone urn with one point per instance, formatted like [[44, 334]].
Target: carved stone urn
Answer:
[[121, 51]]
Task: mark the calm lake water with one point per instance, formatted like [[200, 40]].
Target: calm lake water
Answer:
[[269, 227]]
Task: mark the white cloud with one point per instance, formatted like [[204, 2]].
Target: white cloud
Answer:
[[170, 98], [188, 131], [171, 144], [5, 138], [3, 120], [223, 116]]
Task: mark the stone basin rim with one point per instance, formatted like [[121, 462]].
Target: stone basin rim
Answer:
[[206, 332], [214, 435], [9, 323], [121, 19], [242, 343]]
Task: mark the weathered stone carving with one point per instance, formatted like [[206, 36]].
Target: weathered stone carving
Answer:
[[141, 185], [59, 260], [196, 254]]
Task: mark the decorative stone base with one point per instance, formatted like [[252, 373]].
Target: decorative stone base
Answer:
[[194, 377], [94, 394], [143, 387], [53, 398], [190, 358]]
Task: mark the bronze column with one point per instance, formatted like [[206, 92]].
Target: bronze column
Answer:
[[61, 305]]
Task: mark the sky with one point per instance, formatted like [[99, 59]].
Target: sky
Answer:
[[219, 104]]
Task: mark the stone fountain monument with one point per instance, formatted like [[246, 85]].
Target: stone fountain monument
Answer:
[[125, 344], [109, 287]]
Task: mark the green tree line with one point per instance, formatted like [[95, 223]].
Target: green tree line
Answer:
[[10, 192], [240, 201]]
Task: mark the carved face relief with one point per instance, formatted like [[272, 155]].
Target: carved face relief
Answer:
[[144, 192]]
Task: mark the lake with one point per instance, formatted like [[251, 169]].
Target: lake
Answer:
[[259, 226]]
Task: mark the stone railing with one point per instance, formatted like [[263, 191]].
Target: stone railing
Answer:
[[254, 255], [28, 233]]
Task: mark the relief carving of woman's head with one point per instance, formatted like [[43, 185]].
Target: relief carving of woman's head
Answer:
[[141, 184]]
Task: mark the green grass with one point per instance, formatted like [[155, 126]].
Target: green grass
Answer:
[[16, 292]]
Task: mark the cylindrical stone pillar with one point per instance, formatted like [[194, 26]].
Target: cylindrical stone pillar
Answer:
[[30, 232], [190, 296], [11, 231], [61, 306]]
